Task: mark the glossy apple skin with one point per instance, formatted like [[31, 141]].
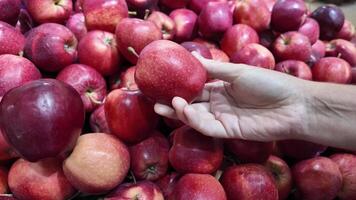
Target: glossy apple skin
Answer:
[[292, 45], [249, 181], [88, 82], [347, 166], [43, 130], [249, 151], [130, 115], [288, 15], [186, 22], [127, 79], [215, 19], [198, 5], [104, 14], [162, 71], [9, 11], [317, 178], [39, 180], [164, 23], [142, 189], [318, 51], [167, 183], [11, 40], [136, 34], [310, 28], [193, 152], [291, 148], [98, 49], [149, 158], [15, 71], [295, 68], [76, 24], [51, 47], [254, 13], [347, 31], [237, 37], [49, 11], [255, 55], [97, 121], [282, 175], [98, 163], [342, 49], [332, 69], [199, 48], [6, 151], [174, 4], [219, 55], [198, 186]]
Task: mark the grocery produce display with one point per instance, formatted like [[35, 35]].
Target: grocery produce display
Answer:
[[79, 80]]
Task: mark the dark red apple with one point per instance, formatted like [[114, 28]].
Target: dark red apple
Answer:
[[144, 190], [3, 180], [127, 79], [249, 151], [173, 123], [88, 82], [11, 40], [342, 49], [6, 151], [317, 178], [282, 175], [347, 31], [174, 4], [331, 69], [76, 24], [215, 19], [208, 43], [162, 71], [49, 11], [199, 48], [255, 55], [9, 11], [249, 181], [186, 24], [15, 71], [167, 183], [237, 37], [198, 186], [347, 166], [295, 68], [104, 14], [45, 128], [198, 5], [292, 46], [300, 150], [164, 23], [219, 55], [318, 51], [130, 115], [98, 123], [288, 15], [98, 49], [133, 35], [310, 28], [51, 47], [267, 38], [39, 180]]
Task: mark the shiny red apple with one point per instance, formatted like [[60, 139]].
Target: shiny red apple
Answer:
[[186, 24], [342, 49], [295, 68], [9, 11], [145, 190], [347, 31], [164, 23], [288, 15], [11, 40], [76, 24], [310, 28], [199, 48], [255, 55], [49, 11], [332, 69]]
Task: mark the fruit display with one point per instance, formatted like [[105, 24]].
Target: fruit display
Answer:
[[79, 80]]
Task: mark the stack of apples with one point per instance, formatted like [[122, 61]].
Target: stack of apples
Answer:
[[79, 80]]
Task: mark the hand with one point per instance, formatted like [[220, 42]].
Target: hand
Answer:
[[248, 103]]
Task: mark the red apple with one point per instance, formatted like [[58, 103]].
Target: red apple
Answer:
[[292, 149], [295, 68], [144, 190], [133, 35], [162, 71], [98, 49], [3, 180], [288, 15], [199, 48], [267, 38], [208, 43], [219, 55], [39, 180], [282, 175], [174, 4], [198, 5], [215, 19], [198, 186], [127, 79], [318, 51], [87, 81], [141, 6], [310, 28], [347, 166], [237, 37], [342, 49], [51, 47], [256, 55], [331, 69], [149, 158], [104, 14], [15, 71], [76, 24], [249, 151], [347, 31], [292, 46], [249, 181], [98, 163], [49, 11], [130, 115], [6, 151], [98, 123], [317, 178], [45, 129], [167, 183], [25, 22], [9, 11], [254, 13], [186, 24], [173, 123], [11, 40], [164, 23]]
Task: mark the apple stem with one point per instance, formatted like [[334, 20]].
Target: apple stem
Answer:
[[218, 174], [133, 177], [339, 55], [132, 13], [90, 96], [133, 51], [147, 13]]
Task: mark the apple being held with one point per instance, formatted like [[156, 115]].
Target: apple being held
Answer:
[[164, 23], [255, 55], [347, 31], [11, 40], [167, 183], [97, 121], [292, 149], [76, 24], [98, 163], [199, 48], [310, 28], [186, 25], [249, 151], [288, 15], [295, 68], [332, 69], [162, 71], [219, 55], [39, 180], [49, 11], [317, 178], [141, 190], [342, 49], [9, 11]]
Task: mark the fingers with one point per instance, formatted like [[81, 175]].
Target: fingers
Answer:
[[205, 94], [165, 111]]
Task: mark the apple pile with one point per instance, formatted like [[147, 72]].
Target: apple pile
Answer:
[[79, 80]]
